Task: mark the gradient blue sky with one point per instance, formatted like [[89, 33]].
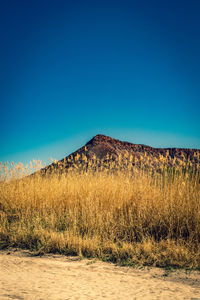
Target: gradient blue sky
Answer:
[[72, 69]]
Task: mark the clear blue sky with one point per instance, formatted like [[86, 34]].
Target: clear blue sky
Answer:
[[72, 69]]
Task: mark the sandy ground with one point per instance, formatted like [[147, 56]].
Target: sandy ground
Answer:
[[23, 276]]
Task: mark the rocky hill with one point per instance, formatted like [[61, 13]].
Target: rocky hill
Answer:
[[103, 150]]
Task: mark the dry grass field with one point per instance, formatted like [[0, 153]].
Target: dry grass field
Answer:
[[133, 216]]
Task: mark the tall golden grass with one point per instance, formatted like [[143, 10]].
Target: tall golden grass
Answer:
[[135, 215]]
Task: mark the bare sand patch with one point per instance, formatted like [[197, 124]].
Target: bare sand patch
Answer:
[[23, 276]]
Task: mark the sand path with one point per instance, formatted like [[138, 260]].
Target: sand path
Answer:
[[58, 277]]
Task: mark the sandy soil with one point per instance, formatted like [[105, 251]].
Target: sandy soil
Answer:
[[23, 276]]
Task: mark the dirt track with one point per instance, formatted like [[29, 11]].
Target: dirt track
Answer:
[[58, 277]]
